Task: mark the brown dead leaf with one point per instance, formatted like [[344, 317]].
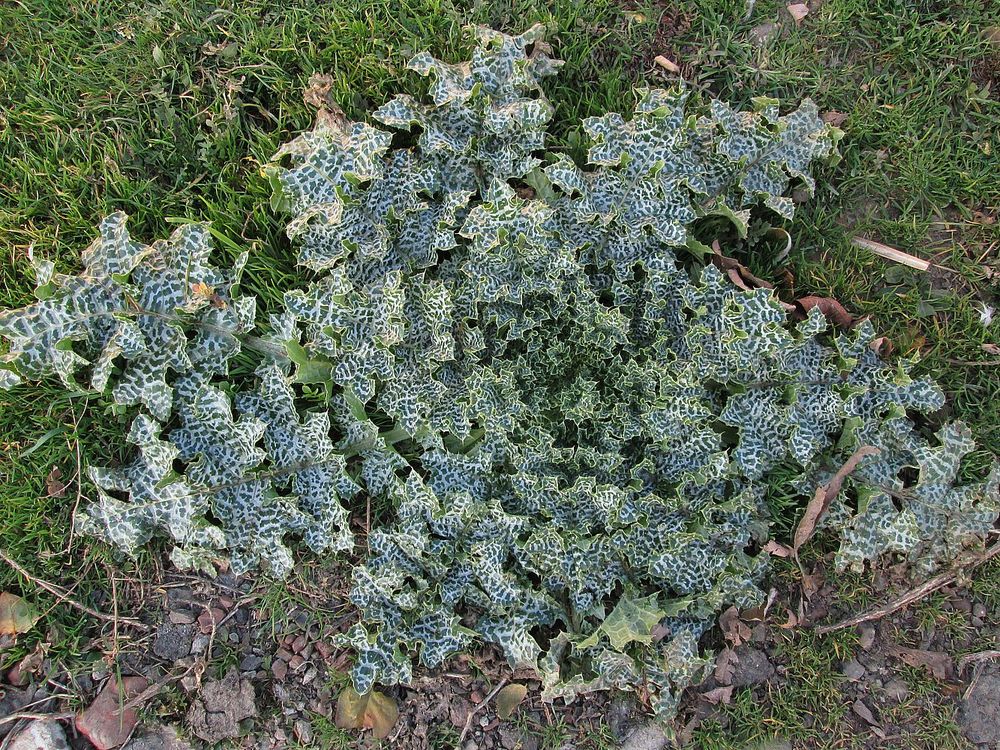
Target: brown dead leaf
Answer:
[[833, 310], [935, 662], [825, 495], [882, 346], [742, 276], [509, 699], [835, 118], [318, 92], [719, 695], [777, 549], [733, 629], [797, 11], [54, 485], [811, 583], [373, 711], [725, 666], [16, 615], [792, 620]]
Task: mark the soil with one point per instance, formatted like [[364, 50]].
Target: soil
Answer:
[[221, 670]]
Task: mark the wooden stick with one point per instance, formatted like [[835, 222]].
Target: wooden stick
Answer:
[[891, 253], [927, 587], [63, 596]]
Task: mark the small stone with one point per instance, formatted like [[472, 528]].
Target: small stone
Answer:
[[40, 735], [324, 649], [103, 723], [250, 663], [299, 643], [896, 690], [173, 641], [978, 714], [161, 738], [199, 644], [296, 662], [180, 617], [309, 676], [853, 670], [979, 610], [279, 669], [760, 35], [226, 601], [12, 700], [303, 731], [283, 653], [470, 745], [752, 668]]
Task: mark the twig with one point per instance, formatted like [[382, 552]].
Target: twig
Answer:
[[31, 715], [927, 587], [977, 657], [63, 596], [891, 253], [474, 711]]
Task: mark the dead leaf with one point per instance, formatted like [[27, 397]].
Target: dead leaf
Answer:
[[882, 346], [746, 278], [719, 695], [777, 549], [825, 495], [53, 484], [831, 309], [835, 118], [318, 92], [798, 11], [667, 64], [16, 615], [935, 662], [811, 583], [735, 630], [509, 699], [891, 253], [725, 666], [864, 712], [791, 622], [759, 614], [373, 711]]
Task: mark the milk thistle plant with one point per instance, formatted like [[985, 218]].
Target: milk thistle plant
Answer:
[[572, 422]]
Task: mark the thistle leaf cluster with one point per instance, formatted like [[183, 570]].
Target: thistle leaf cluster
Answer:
[[573, 427]]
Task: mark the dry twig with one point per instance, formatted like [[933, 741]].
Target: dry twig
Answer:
[[63, 596], [474, 711], [927, 587]]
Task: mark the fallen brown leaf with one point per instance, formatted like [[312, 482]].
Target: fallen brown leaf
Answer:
[[16, 615], [835, 118], [509, 699], [735, 630], [833, 310], [824, 496], [791, 622], [777, 549], [935, 662], [373, 711], [719, 695], [54, 486], [725, 666]]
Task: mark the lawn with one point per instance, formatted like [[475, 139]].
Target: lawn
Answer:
[[168, 110]]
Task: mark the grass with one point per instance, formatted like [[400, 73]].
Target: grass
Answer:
[[168, 109]]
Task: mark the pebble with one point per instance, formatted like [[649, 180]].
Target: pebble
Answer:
[[296, 662], [896, 690], [199, 644], [298, 644], [180, 617], [866, 635], [48, 735], [283, 654], [324, 649], [979, 610], [279, 669], [853, 670], [250, 663]]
